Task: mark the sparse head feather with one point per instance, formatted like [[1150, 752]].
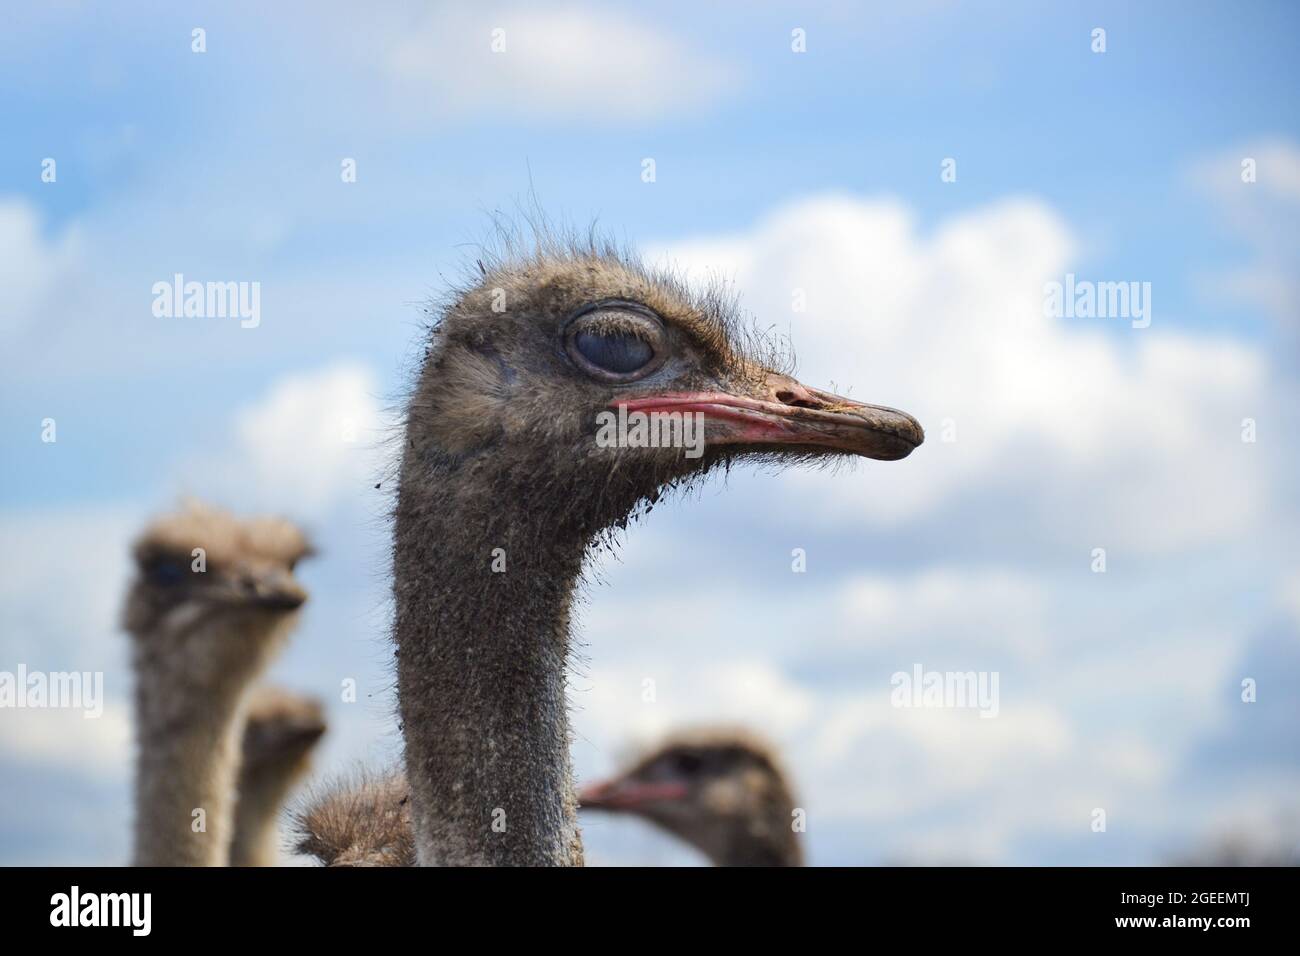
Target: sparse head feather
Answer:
[[567, 272], [357, 820], [531, 252], [721, 739], [223, 537]]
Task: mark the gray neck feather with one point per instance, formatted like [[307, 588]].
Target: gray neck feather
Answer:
[[482, 664], [184, 765]]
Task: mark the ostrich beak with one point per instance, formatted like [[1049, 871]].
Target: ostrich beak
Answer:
[[780, 412], [619, 794], [274, 591], [304, 735]]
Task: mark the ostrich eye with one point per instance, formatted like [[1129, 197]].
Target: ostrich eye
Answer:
[[616, 341], [165, 573], [688, 764], [617, 352]]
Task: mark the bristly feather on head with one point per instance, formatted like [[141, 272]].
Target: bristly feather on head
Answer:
[[531, 241], [357, 820]]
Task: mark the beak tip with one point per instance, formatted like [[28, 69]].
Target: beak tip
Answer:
[[916, 438], [906, 434], [284, 601]]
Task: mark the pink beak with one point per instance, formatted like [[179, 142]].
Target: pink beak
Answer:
[[786, 413], [619, 794]]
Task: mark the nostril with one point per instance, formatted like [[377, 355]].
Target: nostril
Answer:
[[787, 397]]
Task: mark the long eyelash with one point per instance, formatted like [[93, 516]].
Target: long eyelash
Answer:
[[613, 323]]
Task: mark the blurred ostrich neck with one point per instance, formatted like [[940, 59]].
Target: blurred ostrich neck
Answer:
[[482, 659], [772, 845], [189, 757], [256, 836]]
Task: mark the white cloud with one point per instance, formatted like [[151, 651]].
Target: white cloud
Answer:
[[1276, 171], [1288, 594], [860, 764], [313, 441], [67, 740], [993, 608], [615, 711], [1071, 433], [1265, 214], [572, 62], [1094, 431], [62, 576], [31, 265]]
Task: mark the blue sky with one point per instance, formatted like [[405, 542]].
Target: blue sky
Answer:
[[818, 171]]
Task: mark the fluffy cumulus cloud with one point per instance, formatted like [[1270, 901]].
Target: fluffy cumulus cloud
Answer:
[[1055, 413], [1075, 432], [577, 62], [1087, 714], [308, 445]]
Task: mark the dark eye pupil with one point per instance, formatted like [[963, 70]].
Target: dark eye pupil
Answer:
[[618, 352], [688, 763], [166, 573]]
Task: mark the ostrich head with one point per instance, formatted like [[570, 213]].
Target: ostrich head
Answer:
[[212, 596], [359, 821], [722, 791], [528, 364], [280, 729], [509, 453]]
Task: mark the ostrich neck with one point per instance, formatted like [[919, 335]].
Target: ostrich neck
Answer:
[[255, 842], [481, 662], [187, 763], [256, 835], [774, 845]]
